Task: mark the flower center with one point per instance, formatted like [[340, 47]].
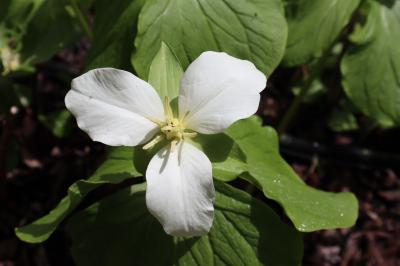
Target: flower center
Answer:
[[172, 129]]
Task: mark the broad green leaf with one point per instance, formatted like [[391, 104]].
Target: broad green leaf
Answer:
[[371, 67], [113, 31], [308, 208], [249, 29], [227, 159], [119, 230], [314, 26], [165, 73], [117, 168], [231, 167]]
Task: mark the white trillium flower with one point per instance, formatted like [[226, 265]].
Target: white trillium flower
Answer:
[[117, 108]]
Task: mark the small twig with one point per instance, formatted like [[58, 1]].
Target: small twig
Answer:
[[294, 107]]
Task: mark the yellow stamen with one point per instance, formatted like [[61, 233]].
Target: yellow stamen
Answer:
[[189, 134], [153, 142], [167, 108], [156, 121]]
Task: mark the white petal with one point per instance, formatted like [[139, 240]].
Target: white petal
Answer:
[[113, 106], [180, 190], [217, 90]]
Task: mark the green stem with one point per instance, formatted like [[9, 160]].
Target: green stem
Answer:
[[309, 73], [82, 19], [294, 106]]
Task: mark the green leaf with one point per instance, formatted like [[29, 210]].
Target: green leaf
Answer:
[[314, 94], [117, 168], [371, 68], [165, 73], [113, 31], [232, 167], [245, 232], [343, 118], [15, 15], [248, 29], [227, 159], [33, 31], [59, 123], [314, 26], [52, 29], [308, 208], [14, 19]]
